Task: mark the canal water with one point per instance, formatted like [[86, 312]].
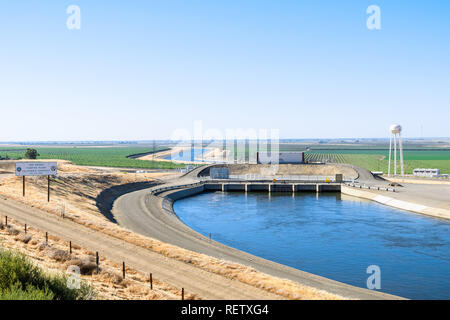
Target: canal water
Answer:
[[188, 155], [331, 235]]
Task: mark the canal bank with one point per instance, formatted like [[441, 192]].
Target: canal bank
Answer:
[[153, 215], [404, 201]]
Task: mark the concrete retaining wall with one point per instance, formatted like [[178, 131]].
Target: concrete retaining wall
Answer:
[[399, 204], [184, 193]]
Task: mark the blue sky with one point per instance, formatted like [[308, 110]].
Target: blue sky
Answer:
[[141, 69]]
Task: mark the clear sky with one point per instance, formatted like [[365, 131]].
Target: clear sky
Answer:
[[141, 69]]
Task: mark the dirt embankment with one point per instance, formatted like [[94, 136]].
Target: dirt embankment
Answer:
[[106, 197], [76, 191], [292, 169], [7, 166], [54, 257]]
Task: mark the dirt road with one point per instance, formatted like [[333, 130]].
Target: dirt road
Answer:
[[205, 284]]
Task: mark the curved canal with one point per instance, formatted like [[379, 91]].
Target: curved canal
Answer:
[[331, 235]]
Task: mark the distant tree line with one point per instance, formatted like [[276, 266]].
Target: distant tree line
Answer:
[[29, 154]]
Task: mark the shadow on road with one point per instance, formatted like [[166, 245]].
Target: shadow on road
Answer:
[[106, 198]]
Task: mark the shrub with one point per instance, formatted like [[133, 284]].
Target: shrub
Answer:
[[16, 292], [20, 278], [87, 265], [31, 154], [111, 276], [12, 231], [24, 238], [58, 255]]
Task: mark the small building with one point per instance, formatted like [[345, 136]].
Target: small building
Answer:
[[426, 172], [283, 158]]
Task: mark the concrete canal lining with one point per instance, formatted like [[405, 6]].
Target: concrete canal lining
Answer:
[[163, 224]]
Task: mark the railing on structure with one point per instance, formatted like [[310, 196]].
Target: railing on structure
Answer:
[[305, 178], [206, 181], [178, 186], [360, 186]]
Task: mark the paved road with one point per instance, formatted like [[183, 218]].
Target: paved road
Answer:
[[143, 213], [205, 284], [431, 195]]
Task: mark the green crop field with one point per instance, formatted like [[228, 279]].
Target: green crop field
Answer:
[[95, 156], [377, 160], [374, 158]]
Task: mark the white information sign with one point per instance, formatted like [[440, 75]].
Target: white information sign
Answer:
[[36, 169]]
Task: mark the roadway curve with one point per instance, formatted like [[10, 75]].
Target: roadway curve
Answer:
[[153, 216]]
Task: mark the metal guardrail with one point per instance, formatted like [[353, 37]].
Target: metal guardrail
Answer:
[[308, 178], [206, 181], [168, 188], [203, 182]]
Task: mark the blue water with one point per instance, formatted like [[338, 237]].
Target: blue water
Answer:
[[187, 155], [332, 237]]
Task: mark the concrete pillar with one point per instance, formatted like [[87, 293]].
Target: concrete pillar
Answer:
[[246, 187], [317, 187], [223, 187], [293, 188], [270, 188]]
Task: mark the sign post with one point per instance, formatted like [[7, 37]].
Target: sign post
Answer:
[[48, 188], [48, 169]]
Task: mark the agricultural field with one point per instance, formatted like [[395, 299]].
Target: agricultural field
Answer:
[[377, 160], [94, 156], [374, 157]]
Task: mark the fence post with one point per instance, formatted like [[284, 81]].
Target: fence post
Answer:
[[70, 247], [46, 238], [123, 269], [151, 281], [25, 228], [97, 260], [182, 293], [6, 220]]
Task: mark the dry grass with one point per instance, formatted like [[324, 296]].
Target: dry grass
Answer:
[[12, 231], [78, 187], [109, 284], [25, 238]]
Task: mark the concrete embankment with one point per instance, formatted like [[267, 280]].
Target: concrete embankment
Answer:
[[288, 170], [397, 203], [419, 181]]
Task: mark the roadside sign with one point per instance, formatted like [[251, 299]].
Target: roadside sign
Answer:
[[24, 169]]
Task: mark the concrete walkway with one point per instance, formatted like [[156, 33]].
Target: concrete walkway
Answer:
[[430, 200]]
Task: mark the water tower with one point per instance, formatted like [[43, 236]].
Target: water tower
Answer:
[[396, 135]]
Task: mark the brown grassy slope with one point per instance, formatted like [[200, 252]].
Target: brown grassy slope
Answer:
[[108, 283]]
